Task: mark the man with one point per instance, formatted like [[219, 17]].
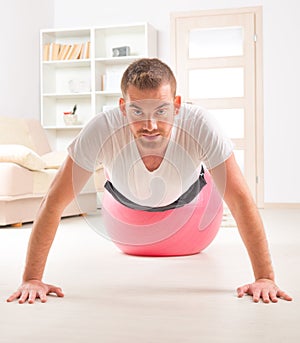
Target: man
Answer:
[[153, 148]]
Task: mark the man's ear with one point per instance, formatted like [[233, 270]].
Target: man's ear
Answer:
[[122, 106], [177, 103]]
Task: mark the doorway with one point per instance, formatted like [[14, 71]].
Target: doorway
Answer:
[[217, 59]]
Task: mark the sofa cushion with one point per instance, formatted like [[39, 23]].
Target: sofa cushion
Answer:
[[54, 159], [25, 131], [18, 182], [15, 131], [21, 155], [15, 180]]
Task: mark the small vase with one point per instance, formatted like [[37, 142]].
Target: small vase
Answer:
[[70, 119]]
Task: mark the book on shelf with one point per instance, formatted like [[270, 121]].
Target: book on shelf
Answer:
[[74, 52], [46, 50], [64, 50], [85, 50], [51, 51], [55, 51], [82, 51]]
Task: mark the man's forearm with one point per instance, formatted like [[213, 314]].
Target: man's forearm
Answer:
[[253, 235], [42, 236]]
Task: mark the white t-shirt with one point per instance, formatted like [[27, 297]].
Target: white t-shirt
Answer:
[[195, 139]]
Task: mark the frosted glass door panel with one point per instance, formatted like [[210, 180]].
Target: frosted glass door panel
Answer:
[[216, 42], [231, 121], [216, 83]]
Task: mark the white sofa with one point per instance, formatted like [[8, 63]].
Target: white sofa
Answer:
[[27, 167]]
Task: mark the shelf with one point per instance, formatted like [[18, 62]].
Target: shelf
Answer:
[[67, 33], [68, 63], [67, 95], [117, 60], [108, 93], [69, 127]]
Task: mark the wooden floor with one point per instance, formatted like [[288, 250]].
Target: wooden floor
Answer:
[[111, 297]]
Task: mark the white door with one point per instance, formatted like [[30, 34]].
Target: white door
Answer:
[[215, 60]]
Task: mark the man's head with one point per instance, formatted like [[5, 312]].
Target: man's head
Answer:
[[149, 101]]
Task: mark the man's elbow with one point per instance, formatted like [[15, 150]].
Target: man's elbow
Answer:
[[56, 202]]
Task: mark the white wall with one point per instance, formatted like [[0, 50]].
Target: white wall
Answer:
[[20, 24], [281, 69], [156, 12], [281, 99], [20, 21]]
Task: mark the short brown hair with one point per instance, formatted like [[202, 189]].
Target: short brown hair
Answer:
[[147, 73]]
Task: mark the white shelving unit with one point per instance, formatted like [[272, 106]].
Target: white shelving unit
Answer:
[[92, 83]]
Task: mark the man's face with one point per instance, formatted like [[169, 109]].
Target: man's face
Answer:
[[150, 115]]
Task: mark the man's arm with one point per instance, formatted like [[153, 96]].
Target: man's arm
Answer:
[[68, 182], [237, 196]]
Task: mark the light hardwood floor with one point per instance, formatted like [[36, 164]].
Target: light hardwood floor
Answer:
[[111, 297]]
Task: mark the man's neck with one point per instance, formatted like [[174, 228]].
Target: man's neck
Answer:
[[152, 162]]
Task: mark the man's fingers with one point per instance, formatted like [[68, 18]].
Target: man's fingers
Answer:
[[284, 296], [23, 297], [256, 295], [32, 297], [42, 295], [241, 291], [14, 296], [265, 294], [264, 289], [34, 289], [56, 290]]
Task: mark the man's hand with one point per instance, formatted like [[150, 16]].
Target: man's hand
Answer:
[[265, 289], [33, 289]]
